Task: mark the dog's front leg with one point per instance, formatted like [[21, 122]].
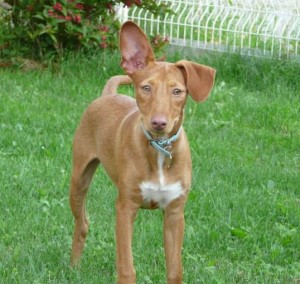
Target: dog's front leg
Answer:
[[173, 239], [126, 213]]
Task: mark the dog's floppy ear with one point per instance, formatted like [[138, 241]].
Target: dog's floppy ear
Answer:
[[135, 48], [199, 79]]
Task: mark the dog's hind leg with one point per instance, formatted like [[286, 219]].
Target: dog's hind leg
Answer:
[[84, 167]]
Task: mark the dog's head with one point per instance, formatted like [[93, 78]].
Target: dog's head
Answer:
[[161, 88]]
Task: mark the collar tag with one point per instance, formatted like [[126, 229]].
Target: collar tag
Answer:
[[163, 145]]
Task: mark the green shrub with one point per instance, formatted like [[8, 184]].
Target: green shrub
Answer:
[[43, 28]]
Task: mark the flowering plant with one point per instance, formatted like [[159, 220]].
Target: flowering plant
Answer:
[[42, 27]]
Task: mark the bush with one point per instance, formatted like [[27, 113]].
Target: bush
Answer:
[[40, 29]]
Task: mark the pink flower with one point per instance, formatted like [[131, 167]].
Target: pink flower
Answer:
[[58, 7], [50, 13], [128, 3], [79, 6], [77, 19], [103, 28], [103, 45]]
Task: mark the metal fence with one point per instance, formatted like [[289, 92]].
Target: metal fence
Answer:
[[251, 27]]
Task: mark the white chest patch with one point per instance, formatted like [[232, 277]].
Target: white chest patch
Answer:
[[162, 195], [160, 192]]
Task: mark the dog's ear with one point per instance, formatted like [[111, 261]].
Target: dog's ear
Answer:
[[199, 79], [135, 48]]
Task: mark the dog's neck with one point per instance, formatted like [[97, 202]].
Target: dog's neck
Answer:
[[163, 145]]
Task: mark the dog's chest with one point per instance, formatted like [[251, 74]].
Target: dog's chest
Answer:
[[160, 193]]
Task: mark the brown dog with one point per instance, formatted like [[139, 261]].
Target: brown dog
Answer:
[[142, 146]]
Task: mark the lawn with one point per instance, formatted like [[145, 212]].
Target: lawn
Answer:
[[243, 213]]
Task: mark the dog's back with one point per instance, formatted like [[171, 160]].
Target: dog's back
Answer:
[[98, 128]]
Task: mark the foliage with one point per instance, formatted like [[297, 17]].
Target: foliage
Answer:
[[39, 28]]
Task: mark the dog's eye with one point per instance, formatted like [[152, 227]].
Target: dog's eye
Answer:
[[177, 92], [146, 88]]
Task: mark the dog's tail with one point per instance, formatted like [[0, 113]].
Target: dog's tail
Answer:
[[113, 83]]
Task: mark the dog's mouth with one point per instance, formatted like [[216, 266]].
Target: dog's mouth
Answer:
[[157, 135], [165, 133]]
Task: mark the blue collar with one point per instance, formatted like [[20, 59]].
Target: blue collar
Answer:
[[163, 145]]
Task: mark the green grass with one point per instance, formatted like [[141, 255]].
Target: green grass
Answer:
[[243, 213]]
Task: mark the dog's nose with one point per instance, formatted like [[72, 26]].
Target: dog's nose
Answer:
[[159, 123]]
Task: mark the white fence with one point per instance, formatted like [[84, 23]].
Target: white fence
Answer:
[[251, 27]]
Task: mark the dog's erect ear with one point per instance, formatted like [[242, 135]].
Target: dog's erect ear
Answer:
[[199, 79], [135, 48]]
